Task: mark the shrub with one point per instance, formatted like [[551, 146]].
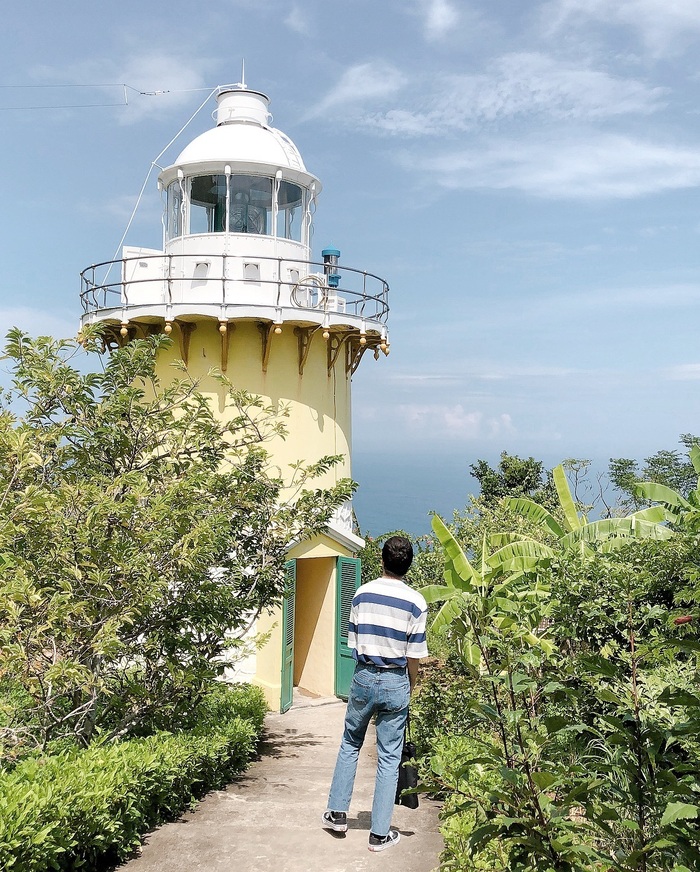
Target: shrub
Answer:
[[87, 808], [458, 823]]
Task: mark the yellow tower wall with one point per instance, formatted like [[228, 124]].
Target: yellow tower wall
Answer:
[[319, 421], [318, 424], [268, 671]]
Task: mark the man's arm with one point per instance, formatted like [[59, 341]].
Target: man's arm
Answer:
[[412, 664]]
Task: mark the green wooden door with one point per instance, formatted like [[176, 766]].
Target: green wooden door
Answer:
[[347, 582], [288, 604]]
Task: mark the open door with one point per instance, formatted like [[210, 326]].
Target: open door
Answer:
[[288, 604], [347, 582]]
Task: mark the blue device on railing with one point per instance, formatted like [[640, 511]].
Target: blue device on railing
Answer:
[[330, 266]]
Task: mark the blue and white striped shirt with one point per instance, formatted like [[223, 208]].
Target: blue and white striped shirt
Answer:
[[387, 623]]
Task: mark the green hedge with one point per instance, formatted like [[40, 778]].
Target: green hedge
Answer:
[[84, 809]]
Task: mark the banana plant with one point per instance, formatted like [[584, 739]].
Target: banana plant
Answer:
[[576, 532], [681, 511], [495, 593]]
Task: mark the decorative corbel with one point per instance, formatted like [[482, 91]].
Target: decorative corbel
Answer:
[[356, 350], [226, 328], [304, 336], [111, 340], [266, 333], [335, 345], [184, 336]]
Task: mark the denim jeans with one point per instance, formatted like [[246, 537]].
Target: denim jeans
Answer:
[[384, 693]]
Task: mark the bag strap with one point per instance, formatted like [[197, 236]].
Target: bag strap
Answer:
[[407, 728]]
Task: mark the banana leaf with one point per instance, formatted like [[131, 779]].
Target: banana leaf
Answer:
[[565, 498], [526, 549], [659, 493], [434, 593], [695, 458], [624, 528], [452, 609], [454, 554], [535, 512]]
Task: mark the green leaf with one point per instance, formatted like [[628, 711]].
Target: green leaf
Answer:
[[573, 521], [453, 552], [660, 493], [678, 811], [451, 610], [433, 593], [544, 780], [470, 654], [652, 513], [623, 528], [535, 512], [679, 696], [521, 550], [694, 455]]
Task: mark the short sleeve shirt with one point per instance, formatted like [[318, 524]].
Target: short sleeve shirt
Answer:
[[387, 623]]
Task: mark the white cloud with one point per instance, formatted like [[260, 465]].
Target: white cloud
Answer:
[[440, 17], [172, 75], [664, 26], [468, 372], [362, 83], [684, 372], [522, 85], [298, 21], [590, 165], [453, 421]]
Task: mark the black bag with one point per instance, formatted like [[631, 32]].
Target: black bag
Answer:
[[408, 773]]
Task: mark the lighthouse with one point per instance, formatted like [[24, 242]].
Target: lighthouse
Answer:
[[237, 288]]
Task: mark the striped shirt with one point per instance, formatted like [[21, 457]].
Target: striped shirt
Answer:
[[387, 623]]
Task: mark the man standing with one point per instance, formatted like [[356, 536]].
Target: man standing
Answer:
[[387, 634]]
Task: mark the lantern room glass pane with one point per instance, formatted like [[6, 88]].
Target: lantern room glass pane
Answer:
[[291, 204], [173, 223], [250, 205], [207, 204]]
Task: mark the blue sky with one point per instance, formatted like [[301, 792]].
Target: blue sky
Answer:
[[525, 175]]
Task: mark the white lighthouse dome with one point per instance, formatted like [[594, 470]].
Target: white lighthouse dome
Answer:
[[243, 142], [243, 132], [244, 135]]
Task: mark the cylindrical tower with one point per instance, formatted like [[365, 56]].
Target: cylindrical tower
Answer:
[[236, 287]]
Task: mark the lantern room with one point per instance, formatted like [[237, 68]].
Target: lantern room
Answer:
[[237, 236]]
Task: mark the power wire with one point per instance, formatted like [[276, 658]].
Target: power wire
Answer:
[[123, 102]]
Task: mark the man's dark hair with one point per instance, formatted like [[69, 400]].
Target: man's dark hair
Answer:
[[397, 555]]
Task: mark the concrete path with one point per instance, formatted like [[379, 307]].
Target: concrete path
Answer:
[[269, 819]]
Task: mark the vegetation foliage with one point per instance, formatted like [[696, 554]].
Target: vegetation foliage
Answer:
[[140, 535], [560, 724], [89, 808]]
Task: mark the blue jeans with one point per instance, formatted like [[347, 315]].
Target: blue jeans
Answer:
[[384, 693]]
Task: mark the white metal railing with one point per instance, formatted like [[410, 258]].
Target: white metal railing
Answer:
[[221, 279]]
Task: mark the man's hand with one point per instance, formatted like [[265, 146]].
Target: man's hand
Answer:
[[412, 671]]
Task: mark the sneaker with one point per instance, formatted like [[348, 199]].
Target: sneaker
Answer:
[[379, 843], [335, 820]]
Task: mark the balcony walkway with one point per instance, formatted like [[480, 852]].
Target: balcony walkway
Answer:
[[269, 819]]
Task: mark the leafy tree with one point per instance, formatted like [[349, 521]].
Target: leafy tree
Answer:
[[513, 476], [670, 468], [682, 510], [139, 536]]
